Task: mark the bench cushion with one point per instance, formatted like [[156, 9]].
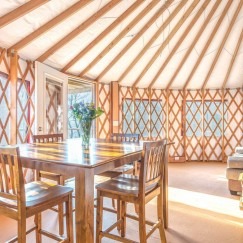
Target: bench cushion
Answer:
[[235, 162], [233, 174], [239, 150]]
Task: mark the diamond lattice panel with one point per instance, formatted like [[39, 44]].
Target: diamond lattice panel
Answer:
[[51, 108], [142, 113], [25, 101], [213, 125], [4, 99], [175, 122], [233, 126], [158, 114], [4, 108], [193, 122], [126, 124], [104, 104]]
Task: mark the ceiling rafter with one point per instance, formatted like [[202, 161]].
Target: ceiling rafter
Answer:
[[198, 35], [215, 30], [135, 38], [78, 30], [151, 41], [50, 24], [179, 42], [21, 11], [167, 40], [103, 34], [233, 60], [120, 36], [222, 44]]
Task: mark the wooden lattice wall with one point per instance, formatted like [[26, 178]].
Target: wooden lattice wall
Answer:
[[25, 103], [25, 100], [104, 104], [186, 117], [4, 99], [205, 125]]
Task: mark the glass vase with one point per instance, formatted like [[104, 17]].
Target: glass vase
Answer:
[[85, 131]]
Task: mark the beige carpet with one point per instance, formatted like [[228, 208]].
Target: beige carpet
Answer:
[[201, 209]]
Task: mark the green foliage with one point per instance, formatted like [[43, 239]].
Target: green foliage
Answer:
[[85, 111]]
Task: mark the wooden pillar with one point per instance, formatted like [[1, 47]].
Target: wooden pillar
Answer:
[[184, 123], [203, 125], [114, 107], [150, 113], [167, 114], [13, 95], [223, 125]]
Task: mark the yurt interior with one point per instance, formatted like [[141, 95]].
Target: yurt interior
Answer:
[[121, 121]]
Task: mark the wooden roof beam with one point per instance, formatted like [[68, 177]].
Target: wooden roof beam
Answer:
[[135, 38], [120, 36], [233, 60], [198, 35], [50, 24], [188, 29], [152, 40], [216, 27], [222, 44], [21, 11], [78, 30], [103, 34], [167, 40]]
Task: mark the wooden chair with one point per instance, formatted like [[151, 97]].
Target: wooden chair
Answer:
[[19, 201], [128, 168], [49, 138], [139, 190], [52, 138]]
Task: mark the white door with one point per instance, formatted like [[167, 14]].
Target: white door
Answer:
[[51, 100]]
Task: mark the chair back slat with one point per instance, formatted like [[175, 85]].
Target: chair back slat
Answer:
[[125, 137], [11, 174], [48, 138], [152, 164]]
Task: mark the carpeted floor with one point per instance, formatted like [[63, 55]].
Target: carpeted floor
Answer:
[[201, 209]]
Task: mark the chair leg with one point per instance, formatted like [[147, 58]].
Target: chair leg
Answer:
[[135, 168], [99, 217], [37, 175], [123, 218], [38, 229], [113, 203], [69, 219], [142, 223], [161, 218], [60, 219], [136, 208], [22, 229], [118, 214]]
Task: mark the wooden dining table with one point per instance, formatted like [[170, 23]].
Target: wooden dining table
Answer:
[[70, 159]]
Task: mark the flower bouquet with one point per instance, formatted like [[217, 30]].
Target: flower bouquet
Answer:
[[85, 113]]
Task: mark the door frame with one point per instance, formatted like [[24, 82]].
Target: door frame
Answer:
[[42, 72]]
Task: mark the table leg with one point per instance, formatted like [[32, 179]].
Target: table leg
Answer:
[[165, 190], [84, 198]]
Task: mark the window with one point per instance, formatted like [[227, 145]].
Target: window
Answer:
[[193, 118], [4, 108], [23, 110], [213, 123], [78, 91], [143, 117]]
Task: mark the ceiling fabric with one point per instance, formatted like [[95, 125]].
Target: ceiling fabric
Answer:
[[158, 44]]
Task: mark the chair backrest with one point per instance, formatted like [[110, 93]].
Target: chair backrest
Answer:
[[48, 138], [11, 176], [125, 137], [152, 165]]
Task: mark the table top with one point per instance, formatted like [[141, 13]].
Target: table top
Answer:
[[70, 152]]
